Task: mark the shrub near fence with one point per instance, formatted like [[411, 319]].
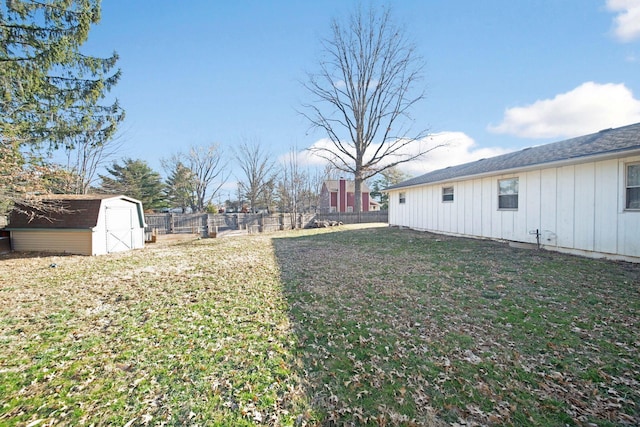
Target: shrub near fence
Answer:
[[210, 224]]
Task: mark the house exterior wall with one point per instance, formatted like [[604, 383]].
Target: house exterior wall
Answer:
[[338, 198], [50, 240], [577, 208], [328, 199]]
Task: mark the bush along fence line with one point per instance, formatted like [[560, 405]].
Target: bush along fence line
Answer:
[[212, 225]]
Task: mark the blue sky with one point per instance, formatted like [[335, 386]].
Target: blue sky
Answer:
[[500, 75]]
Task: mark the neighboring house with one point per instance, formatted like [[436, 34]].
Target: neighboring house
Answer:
[[85, 225], [338, 195], [581, 196]]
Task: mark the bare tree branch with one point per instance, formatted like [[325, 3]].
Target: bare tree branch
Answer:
[[259, 171], [368, 82], [85, 157], [206, 163]]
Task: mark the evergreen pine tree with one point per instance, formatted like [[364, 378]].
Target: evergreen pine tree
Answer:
[[135, 179], [49, 90], [180, 188]]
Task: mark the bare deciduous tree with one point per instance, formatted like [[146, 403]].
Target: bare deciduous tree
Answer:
[[293, 183], [196, 176], [206, 164], [85, 157], [366, 86], [259, 171]]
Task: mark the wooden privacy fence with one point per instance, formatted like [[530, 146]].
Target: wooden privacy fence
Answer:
[[210, 225], [355, 217]]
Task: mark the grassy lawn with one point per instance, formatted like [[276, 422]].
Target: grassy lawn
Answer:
[[350, 325]]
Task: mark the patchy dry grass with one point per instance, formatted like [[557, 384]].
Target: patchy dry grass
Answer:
[[195, 333], [401, 324], [319, 327]]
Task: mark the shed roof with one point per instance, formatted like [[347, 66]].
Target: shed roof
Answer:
[[64, 211], [608, 141]]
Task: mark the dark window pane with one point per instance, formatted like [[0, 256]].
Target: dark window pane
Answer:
[[447, 194], [508, 202], [633, 198]]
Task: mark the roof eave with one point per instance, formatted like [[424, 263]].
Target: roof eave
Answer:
[[557, 163], [92, 229]]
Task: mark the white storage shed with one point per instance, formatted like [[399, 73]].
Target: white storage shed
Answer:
[[79, 224], [581, 196]]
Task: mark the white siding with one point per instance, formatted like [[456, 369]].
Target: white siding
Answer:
[[464, 223], [548, 206], [488, 203], [605, 225], [565, 206], [475, 213], [531, 199], [584, 200], [577, 208]]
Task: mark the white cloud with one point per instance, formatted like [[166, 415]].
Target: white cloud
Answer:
[[627, 21], [306, 158], [588, 108], [454, 148], [457, 148]]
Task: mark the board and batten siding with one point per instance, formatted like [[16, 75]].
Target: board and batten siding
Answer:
[[61, 241], [577, 208]]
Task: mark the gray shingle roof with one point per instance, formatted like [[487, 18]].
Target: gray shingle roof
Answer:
[[626, 138]]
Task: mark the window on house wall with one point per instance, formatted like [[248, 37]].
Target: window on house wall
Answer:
[[633, 186], [403, 198], [508, 193], [447, 194]]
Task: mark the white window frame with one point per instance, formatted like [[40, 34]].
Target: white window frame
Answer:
[[447, 194], [628, 186], [402, 198], [502, 195]]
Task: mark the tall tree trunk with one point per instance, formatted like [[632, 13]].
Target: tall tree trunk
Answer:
[[357, 192]]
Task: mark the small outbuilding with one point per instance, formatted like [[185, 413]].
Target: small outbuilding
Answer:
[[93, 224]]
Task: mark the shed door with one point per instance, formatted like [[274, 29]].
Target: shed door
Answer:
[[119, 224]]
